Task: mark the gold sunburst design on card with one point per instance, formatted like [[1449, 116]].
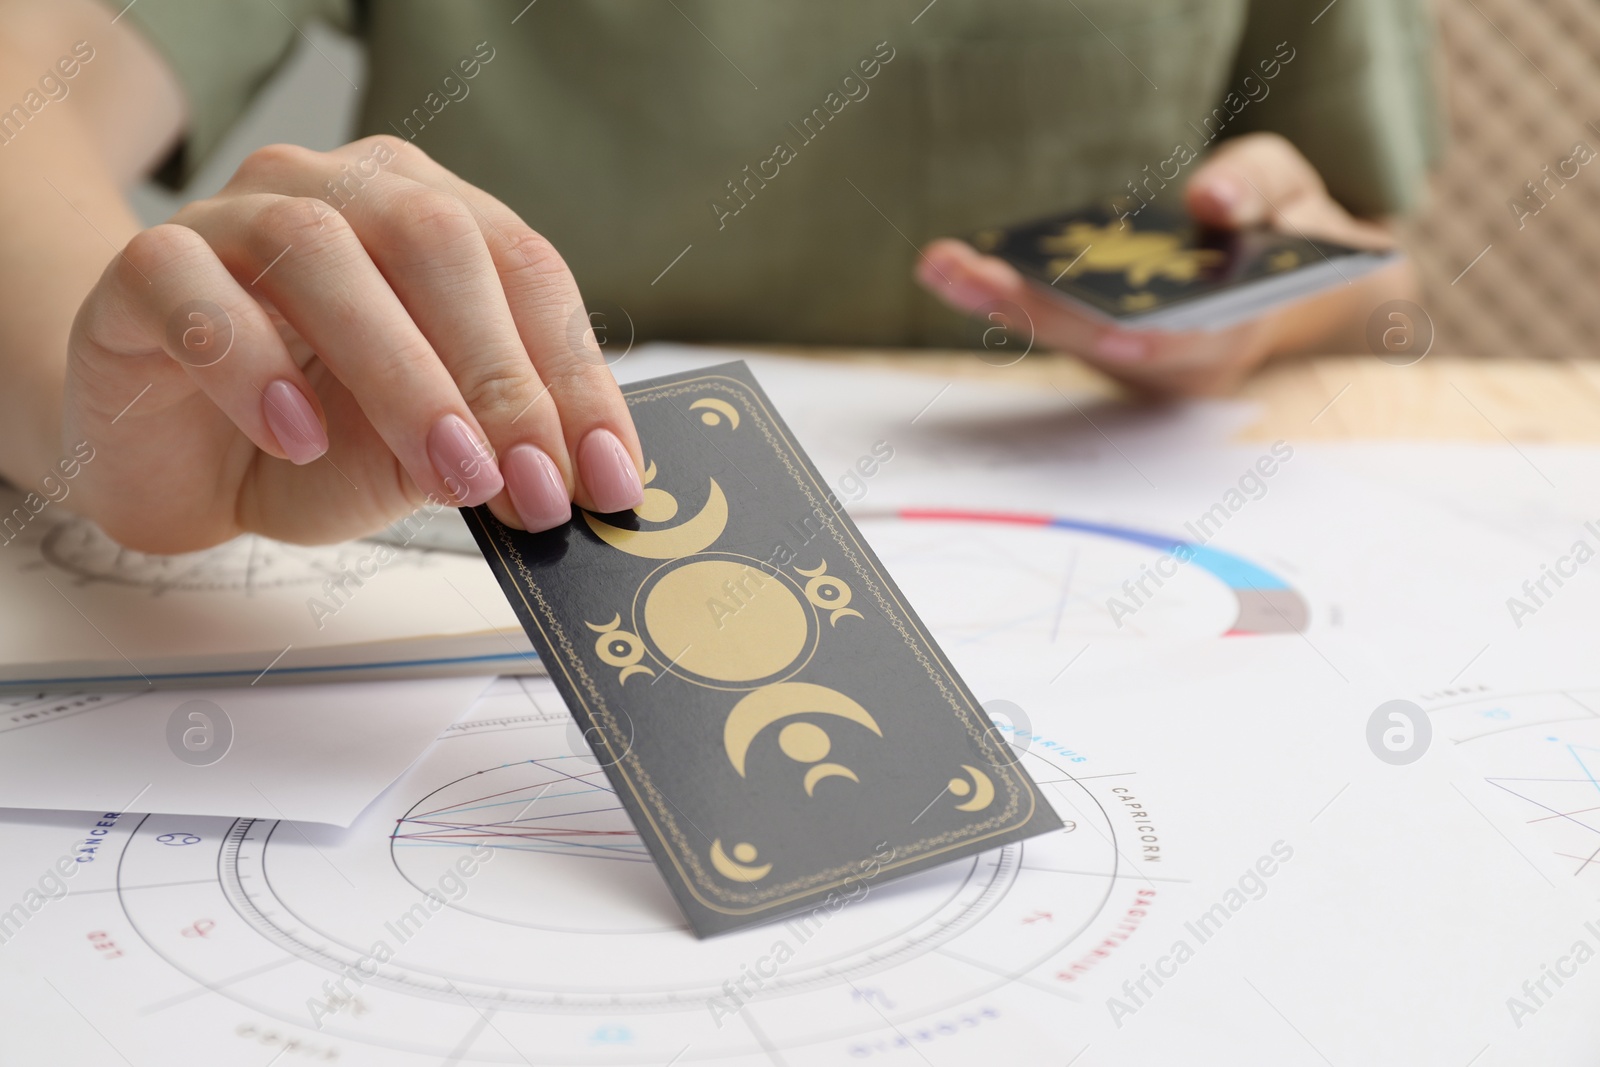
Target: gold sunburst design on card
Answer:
[[1141, 255]]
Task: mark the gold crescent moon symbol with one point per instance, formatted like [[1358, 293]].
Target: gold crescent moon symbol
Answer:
[[739, 872], [771, 703], [684, 539], [827, 770], [981, 788], [658, 505], [712, 408]]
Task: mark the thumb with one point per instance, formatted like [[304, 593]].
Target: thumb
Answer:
[[1249, 181]]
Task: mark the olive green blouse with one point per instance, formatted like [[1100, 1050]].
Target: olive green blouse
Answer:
[[748, 170]]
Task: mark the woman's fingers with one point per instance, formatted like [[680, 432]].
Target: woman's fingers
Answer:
[[494, 302], [554, 327], [308, 261], [1247, 180], [1262, 179], [448, 319], [168, 293], [428, 246], [1192, 361], [972, 282], [597, 451]]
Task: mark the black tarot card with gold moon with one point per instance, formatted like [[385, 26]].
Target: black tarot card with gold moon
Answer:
[[1158, 269], [781, 728]]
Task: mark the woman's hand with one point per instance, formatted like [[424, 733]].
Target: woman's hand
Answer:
[[326, 343], [1256, 179]]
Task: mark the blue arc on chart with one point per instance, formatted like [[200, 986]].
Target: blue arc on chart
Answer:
[[1267, 603]]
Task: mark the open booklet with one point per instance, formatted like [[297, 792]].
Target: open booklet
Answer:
[[83, 612]]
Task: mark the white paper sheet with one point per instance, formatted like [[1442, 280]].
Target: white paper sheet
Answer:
[[313, 753]]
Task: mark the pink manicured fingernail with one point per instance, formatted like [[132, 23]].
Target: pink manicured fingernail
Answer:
[[966, 296], [463, 462], [1120, 348], [607, 471], [293, 422], [536, 488], [1226, 193], [929, 273]]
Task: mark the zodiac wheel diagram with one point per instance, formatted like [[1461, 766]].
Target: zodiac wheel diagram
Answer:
[[567, 937]]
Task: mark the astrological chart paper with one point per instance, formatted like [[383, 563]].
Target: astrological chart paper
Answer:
[[779, 725]]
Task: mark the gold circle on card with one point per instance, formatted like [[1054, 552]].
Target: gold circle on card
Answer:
[[725, 619]]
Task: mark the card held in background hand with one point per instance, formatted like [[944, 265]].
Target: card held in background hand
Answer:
[[775, 718], [1158, 269]]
